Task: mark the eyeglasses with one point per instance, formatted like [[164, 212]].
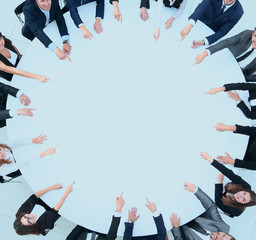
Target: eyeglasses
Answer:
[[29, 219]]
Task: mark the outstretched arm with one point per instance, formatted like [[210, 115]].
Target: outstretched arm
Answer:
[[45, 190], [69, 189]]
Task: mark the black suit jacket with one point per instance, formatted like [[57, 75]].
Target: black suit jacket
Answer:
[[237, 45], [80, 233], [35, 21], [167, 3], [4, 91]]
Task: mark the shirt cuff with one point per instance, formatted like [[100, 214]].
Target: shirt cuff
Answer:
[[192, 22], [206, 41], [195, 190], [52, 46], [155, 214], [81, 24], [65, 37], [99, 18], [117, 214], [13, 112], [209, 53], [237, 102]]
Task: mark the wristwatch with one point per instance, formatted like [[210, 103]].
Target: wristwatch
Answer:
[[65, 41]]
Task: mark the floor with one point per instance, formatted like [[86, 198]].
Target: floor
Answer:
[[242, 228]]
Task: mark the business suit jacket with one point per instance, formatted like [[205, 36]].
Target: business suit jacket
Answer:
[[237, 45], [73, 4], [208, 13], [161, 230], [210, 220], [145, 3], [80, 233], [4, 91], [35, 21]]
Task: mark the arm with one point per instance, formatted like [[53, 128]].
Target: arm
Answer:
[[246, 111], [74, 12], [250, 131], [5, 114], [128, 230], [8, 89], [116, 11], [27, 206], [144, 4], [205, 200], [60, 20], [200, 10], [240, 86], [69, 189], [45, 190], [161, 230], [181, 9], [100, 8], [251, 165], [250, 78]]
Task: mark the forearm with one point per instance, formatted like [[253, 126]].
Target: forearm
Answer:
[[61, 201], [19, 72], [43, 191]]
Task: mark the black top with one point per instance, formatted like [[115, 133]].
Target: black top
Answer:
[[167, 3], [46, 220], [231, 211], [3, 74]]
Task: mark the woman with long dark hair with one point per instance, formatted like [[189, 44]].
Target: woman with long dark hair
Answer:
[[237, 194], [8, 166], [9, 59], [35, 217]]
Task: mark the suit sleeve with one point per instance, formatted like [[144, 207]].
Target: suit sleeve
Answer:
[[27, 206], [230, 174], [200, 9], [161, 230], [246, 111], [4, 114], [71, 5], [8, 89], [250, 78], [177, 234], [100, 8], [250, 131], [251, 165], [111, 1], [128, 231], [227, 42], [145, 4], [205, 200], [112, 232]]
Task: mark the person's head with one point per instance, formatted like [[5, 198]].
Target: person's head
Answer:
[[229, 2], [241, 198], [3, 41], [221, 236], [254, 38], [26, 224], [3, 159], [44, 4]]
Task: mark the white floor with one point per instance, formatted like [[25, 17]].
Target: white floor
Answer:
[[12, 194]]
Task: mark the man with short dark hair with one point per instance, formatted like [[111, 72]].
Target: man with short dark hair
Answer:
[[38, 14], [208, 226], [243, 47]]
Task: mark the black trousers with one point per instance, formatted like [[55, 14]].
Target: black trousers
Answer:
[[12, 175]]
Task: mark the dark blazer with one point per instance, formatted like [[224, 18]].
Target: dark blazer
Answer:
[[4, 91], [46, 220], [237, 45], [73, 4], [80, 233], [161, 230], [167, 3], [251, 87], [35, 21], [208, 13], [210, 220], [3, 74], [231, 211]]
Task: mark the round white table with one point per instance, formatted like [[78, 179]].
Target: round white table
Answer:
[[129, 115]]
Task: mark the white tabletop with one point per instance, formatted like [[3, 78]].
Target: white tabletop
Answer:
[[129, 115]]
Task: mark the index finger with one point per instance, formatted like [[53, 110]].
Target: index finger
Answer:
[[121, 18], [121, 195], [31, 109], [68, 57], [148, 201], [185, 182], [56, 146]]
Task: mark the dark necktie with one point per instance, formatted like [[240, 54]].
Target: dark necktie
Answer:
[[83, 2], [193, 224], [244, 56], [222, 9]]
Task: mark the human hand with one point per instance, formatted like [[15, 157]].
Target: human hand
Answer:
[[215, 90], [66, 48], [169, 22], [86, 33], [151, 206], [97, 26], [144, 14], [120, 203], [132, 214], [221, 127], [206, 156], [26, 112], [175, 221], [39, 139], [220, 178], [156, 34], [50, 151], [234, 95], [226, 159], [56, 186], [60, 54], [185, 31], [69, 188], [43, 79], [116, 11], [197, 44], [24, 99], [200, 57], [189, 186]]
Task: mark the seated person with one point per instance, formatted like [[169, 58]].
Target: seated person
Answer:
[[242, 46], [5, 114], [249, 160], [219, 15], [38, 14], [35, 217], [9, 59], [82, 233], [132, 218], [9, 168], [208, 223], [237, 195]]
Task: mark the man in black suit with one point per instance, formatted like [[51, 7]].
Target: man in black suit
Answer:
[[209, 223], [243, 47], [5, 114], [132, 218], [38, 14], [82, 233]]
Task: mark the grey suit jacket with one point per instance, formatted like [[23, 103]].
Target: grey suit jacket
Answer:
[[237, 45], [210, 220]]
